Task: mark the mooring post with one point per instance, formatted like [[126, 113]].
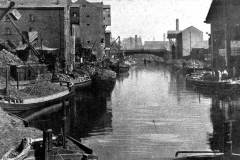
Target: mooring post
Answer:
[[47, 143], [49, 136]]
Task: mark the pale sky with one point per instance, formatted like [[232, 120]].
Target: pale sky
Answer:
[[152, 18]]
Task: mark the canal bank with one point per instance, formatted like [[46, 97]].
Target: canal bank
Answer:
[[12, 132], [148, 113]]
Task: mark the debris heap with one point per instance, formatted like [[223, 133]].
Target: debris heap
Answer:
[[9, 58]]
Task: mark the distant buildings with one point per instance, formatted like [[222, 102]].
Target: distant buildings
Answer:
[[132, 43], [188, 39], [183, 42]]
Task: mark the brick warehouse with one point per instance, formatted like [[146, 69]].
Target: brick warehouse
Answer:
[[47, 18], [90, 32]]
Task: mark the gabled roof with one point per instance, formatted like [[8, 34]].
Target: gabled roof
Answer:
[[191, 27], [216, 11]]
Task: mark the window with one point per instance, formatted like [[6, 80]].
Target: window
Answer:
[[88, 16], [31, 18], [88, 24], [7, 31], [84, 5], [109, 15]]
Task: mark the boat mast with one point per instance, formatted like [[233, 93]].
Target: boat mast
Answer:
[[66, 35]]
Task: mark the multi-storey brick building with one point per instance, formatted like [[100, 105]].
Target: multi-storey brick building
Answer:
[[47, 18], [90, 32]]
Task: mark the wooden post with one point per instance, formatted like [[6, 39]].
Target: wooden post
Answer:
[[66, 34], [49, 136], [6, 74], [47, 143]]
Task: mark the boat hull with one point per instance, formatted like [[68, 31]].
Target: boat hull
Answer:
[[33, 103], [120, 69], [216, 85]]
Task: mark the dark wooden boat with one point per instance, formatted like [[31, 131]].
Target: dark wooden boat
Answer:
[[20, 152], [213, 84], [16, 106], [76, 79]]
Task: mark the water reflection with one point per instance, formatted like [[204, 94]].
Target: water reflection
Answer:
[[91, 116], [224, 110], [149, 113]]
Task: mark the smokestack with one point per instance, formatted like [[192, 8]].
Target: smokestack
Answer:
[[177, 24]]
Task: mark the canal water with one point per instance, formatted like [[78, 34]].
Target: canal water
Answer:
[[149, 113]]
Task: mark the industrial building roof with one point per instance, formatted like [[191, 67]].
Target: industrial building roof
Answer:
[[216, 11]]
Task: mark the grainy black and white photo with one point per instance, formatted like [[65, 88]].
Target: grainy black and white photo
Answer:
[[119, 79]]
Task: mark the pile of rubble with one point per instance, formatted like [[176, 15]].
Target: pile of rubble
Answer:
[[43, 88], [7, 58]]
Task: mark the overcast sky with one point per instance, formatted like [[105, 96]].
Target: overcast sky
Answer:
[[152, 18]]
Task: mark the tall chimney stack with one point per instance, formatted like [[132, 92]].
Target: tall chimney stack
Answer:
[[177, 24]]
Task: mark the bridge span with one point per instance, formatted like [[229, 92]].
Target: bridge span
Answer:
[[157, 52]]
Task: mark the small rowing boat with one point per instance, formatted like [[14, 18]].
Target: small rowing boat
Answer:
[[20, 152]]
